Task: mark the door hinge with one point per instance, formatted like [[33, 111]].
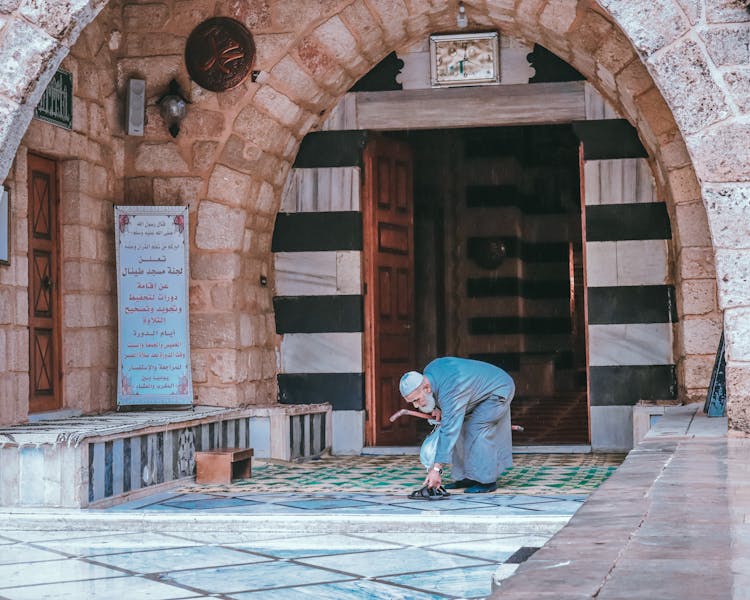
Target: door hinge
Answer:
[[364, 287], [367, 415]]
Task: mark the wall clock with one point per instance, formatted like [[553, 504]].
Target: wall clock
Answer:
[[464, 59]]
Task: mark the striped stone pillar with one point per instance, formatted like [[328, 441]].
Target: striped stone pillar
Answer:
[[318, 301], [631, 299]]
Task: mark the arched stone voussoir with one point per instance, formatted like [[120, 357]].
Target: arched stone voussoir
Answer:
[[650, 25], [35, 39], [62, 20]]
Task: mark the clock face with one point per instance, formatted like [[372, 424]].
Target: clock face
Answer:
[[464, 60]]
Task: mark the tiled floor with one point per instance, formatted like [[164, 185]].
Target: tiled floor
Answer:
[[103, 565], [343, 503], [246, 564], [530, 474]]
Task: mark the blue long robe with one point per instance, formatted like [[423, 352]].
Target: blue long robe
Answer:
[[475, 435]]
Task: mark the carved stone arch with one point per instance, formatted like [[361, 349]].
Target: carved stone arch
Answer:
[[657, 61]]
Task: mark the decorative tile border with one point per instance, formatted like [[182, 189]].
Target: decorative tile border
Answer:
[[536, 474]]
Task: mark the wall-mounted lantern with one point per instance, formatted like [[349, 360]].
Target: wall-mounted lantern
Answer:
[[173, 107]]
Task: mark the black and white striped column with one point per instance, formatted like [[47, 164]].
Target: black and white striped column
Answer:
[[631, 301], [318, 302]]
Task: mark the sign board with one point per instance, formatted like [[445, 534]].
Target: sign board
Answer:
[[153, 367], [56, 104]]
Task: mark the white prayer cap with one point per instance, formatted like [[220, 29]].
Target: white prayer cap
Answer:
[[410, 382]]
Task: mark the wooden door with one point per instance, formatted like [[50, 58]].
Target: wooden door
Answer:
[[388, 219], [44, 313]]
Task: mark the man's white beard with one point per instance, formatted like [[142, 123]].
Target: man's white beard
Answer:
[[429, 405]]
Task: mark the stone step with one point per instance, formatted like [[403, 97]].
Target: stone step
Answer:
[[202, 521]]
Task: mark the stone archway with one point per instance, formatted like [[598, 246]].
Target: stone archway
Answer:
[[656, 61]]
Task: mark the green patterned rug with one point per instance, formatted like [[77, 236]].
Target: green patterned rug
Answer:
[[530, 474]]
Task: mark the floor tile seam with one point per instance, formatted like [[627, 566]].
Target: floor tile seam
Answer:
[[567, 530], [28, 585], [383, 579], [625, 548], [481, 562], [266, 559], [209, 593]]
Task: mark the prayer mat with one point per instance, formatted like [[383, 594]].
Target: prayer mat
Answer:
[[531, 474]]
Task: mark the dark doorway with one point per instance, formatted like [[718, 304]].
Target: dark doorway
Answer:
[[498, 266]]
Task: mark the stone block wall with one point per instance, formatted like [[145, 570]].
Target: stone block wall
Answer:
[[14, 307], [86, 286], [675, 69]]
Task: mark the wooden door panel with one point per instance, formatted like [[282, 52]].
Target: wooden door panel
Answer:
[[389, 300], [41, 276], [404, 307], [384, 299], [383, 189], [43, 361], [44, 314], [402, 182], [393, 238], [394, 348], [390, 404], [41, 221]]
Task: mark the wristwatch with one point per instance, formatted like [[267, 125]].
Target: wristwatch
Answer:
[[438, 469]]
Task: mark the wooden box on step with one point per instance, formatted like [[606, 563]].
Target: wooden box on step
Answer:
[[222, 465]]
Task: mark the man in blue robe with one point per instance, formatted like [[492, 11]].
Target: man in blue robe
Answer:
[[474, 435]]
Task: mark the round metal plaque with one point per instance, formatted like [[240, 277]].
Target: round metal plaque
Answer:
[[219, 54]]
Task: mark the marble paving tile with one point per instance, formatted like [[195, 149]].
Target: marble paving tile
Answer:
[[391, 562], [145, 501], [361, 589], [318, 545], [42, 535], [429, 539], [473, 582], [449, 505], [325, 503], [100, 589], [257, 576], [211, 503], [115, 544], [163, 508], [173, 559], [502, 511], [513, 543], [225, 538], [266, 509], [561, 507], [50, 572], [20, 553], [492, 550], [382, 509], [518, 500], [504, 571]]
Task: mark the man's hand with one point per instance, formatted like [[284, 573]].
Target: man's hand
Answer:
[[434, 479], [436, 414]]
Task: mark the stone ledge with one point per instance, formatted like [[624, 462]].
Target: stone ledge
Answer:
[[104, 459], [91, 520], [640, 514], [100, 428]]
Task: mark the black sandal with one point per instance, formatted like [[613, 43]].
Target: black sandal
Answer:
[[428, 493]]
